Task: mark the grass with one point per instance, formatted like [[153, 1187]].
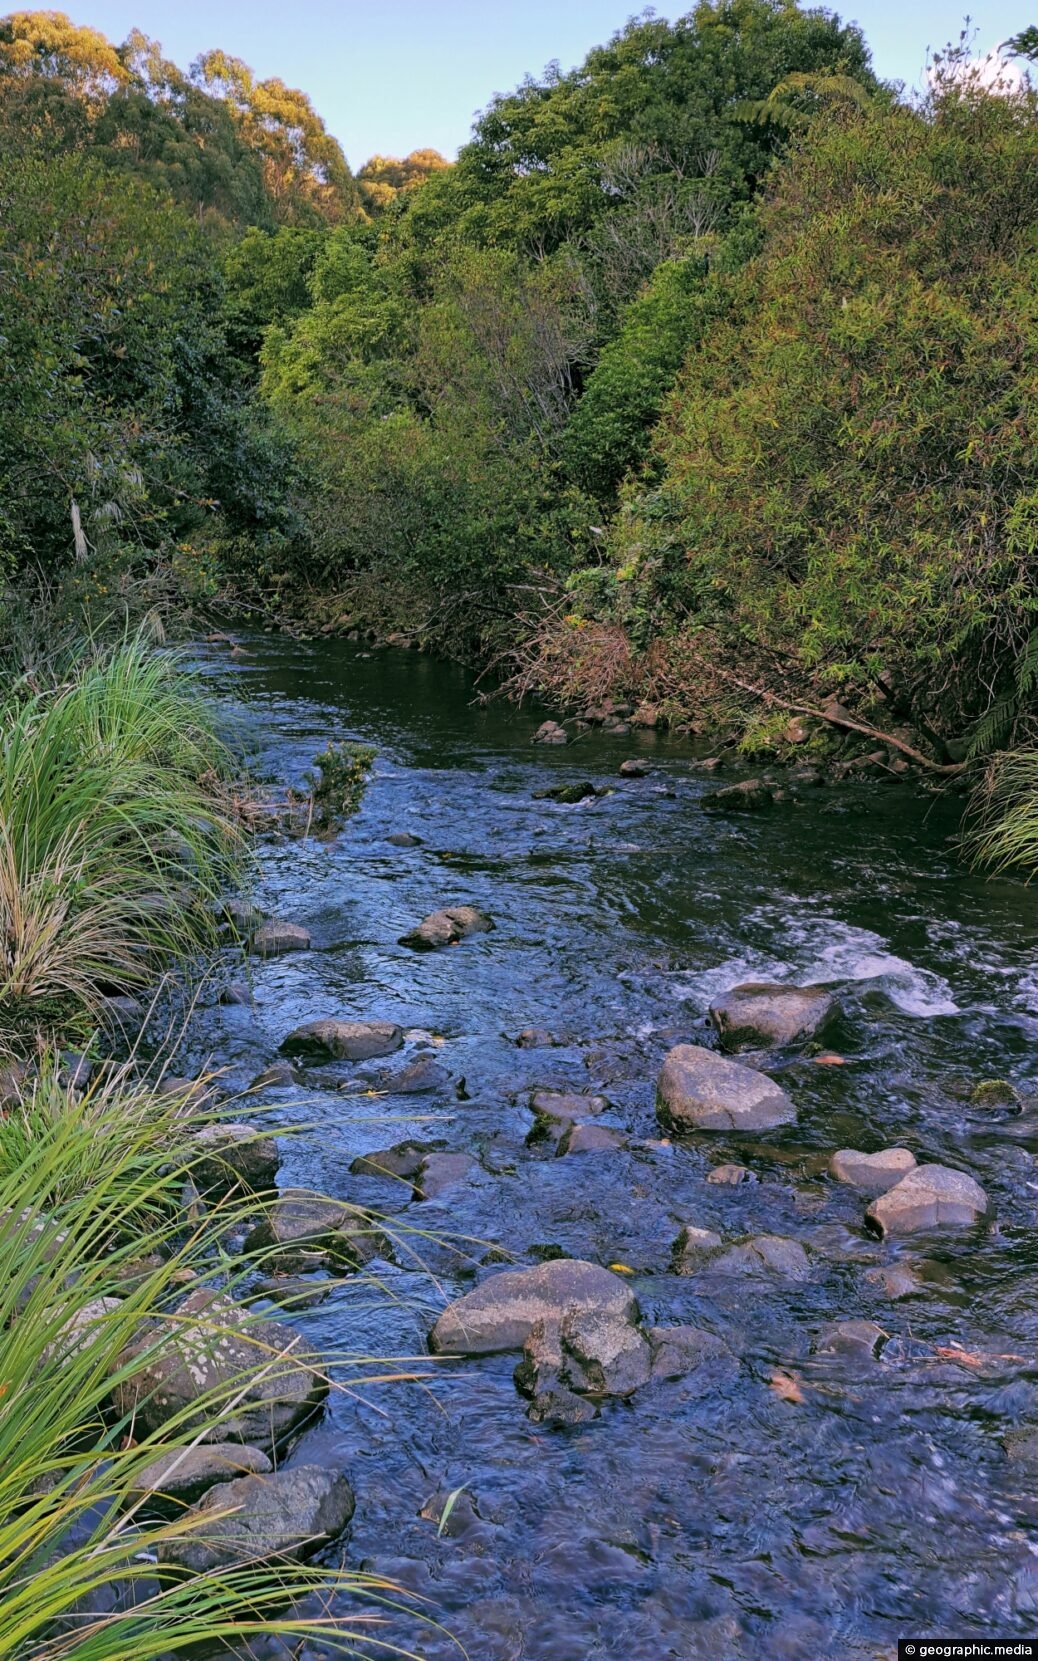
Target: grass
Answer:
[[116, 836], [1002, 833], [86, 1218]]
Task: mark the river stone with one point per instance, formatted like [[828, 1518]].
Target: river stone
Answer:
[[273, 939], [439, 1171], [447, 927], [858, 1339], [680, 1350], [549, 732], [184, 1476], [228, 1156], [930, 1196], [422, 1075], [256, 1369], [603, 1354], [344, 1040], [287, 1515], [770, 1253], [501, 1313], [304, 1231], [896, 1282], [589, 1139], [693, 1247], [635, 768], [236, 994], [404, 839], [874, 1172], [241, 915], [403, 1160], [535, 1038], [755, 1015], [748, 796], [81, 1329], [731, 1176], [273, 1077], [699, 1090], [566, 1108]]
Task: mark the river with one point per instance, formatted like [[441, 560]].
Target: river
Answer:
[[716, 1519]]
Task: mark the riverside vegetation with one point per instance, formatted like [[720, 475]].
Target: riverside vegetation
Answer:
[[700, 385]]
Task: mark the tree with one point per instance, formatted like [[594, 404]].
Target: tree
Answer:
[[383, 179]]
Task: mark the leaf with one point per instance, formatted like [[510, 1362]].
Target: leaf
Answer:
[[787, 1387], [828, 1058], [621, 1268], [451, 1501]]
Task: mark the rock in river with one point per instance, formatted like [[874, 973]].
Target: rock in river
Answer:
[[930, 1196], [756, 1015], [233, 1156], [247, 1377], [550, 732], [749, 796], [699, 1090], [439, 1171], [185, 1474], [590, 1139], [304, 1231], [288, 1514], [766, 1254], [502, 1312], [446, 928], [873, 1172], [273, 939], [344, 1040], [694, 1247]]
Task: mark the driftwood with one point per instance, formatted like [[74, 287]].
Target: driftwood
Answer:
[[845, 721]]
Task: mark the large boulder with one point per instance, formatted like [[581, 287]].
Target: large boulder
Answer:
[[699, 1090], [501, 1313], [334, 1040], [930, 1196], [274, 939], [230, 1156], [587, 1352], [305, 1231], [757, 1016], [286, 1515], [212, 1364], [872, 1172], [446, 928]]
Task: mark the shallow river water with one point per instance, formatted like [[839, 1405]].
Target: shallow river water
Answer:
[[703, 1517]]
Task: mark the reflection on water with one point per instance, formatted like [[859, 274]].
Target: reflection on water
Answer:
[[682, 1523]]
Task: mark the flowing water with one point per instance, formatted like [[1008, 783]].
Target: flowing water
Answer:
[[709, 1516]]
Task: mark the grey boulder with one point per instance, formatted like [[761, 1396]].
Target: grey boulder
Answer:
[[241, 1379], [579, 1138], [288, 1515], [699, 1090], [185, 1474], [766, 1254], [694, 1247], [227, 1156], [501, 1313], [930, 1196], [440, 1171], [335, 1040], [756, 1015], [873, 1172], [274, 939]]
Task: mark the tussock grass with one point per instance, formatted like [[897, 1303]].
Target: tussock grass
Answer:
[[1002, 833], [77, 1548], [116, 835]]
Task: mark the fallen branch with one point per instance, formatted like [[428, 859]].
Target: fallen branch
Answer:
[[845, 721]]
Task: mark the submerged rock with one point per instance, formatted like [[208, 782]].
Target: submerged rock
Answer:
[[286, 1515], [731, 1176], [755, 1015], [305, 1231], [273, 939], [280, 1073], [694, 1247], [767, 1254], [344, 1040], [930, 1196], [896, 1282], [439, 1171], [699, 1090], [996, 1092], [748, 796], [872, 1172], [678, 1351], [535, 1038], [634, 768], [446, 928], [404, 839], [580, 1138], [858, 1339], [501, 1313], [403, 1159], [422, 1075], [568, 794], [243, 1379]]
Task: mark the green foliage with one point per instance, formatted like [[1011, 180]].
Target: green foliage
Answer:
[[1002, 829], [337, 785], [114, 840], [844, 477]]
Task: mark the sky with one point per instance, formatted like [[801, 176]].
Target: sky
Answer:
[[390, 76]]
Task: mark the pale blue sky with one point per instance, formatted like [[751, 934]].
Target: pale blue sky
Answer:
[[395, 75]]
